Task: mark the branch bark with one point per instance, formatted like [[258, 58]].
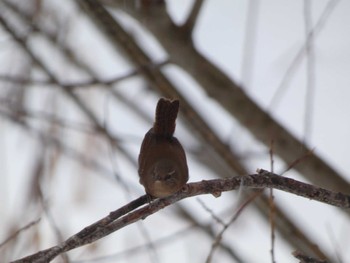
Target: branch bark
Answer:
[[130, 213]]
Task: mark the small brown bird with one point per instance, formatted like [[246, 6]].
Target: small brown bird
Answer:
[[162, 161]]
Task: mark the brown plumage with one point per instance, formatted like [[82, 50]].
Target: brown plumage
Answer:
[[162, 160]]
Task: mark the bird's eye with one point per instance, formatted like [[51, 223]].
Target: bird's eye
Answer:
[[170, 175], [167, 177]]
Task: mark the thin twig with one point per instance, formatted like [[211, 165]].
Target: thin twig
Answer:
[[76, 155], [207, 229], [15, 234], [310, 71], [211, 212], [46, 117], [83, 84], [272, 209], [250, 42], [144, 247], [226, 226], [74, 97], [282, 87]]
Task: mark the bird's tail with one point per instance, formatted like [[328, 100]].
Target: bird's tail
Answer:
[[166, 114]]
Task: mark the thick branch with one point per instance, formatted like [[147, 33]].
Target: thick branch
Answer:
[[232, 97], [123, 216]]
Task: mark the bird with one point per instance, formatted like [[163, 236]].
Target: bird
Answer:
[[162, 160]]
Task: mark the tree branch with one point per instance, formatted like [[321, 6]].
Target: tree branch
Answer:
[[192, 17], [306, 259], [218, 148], [221, 88], [130, 213]]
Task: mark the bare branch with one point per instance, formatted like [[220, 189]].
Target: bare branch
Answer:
[[218, 85], [124, 217], [15, 234], [272, 208], [190, 23], [306, 259], [218, 238]]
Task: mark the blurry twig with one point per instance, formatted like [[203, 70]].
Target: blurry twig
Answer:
[[218, 238], [211, 212], [306, 259], [190, 23], [313, 33], [250, 42], [80, 157], [77, 85], [74, 97], [127, 253], [310, 71], [45, 116], [15, 234], [207, 229]]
